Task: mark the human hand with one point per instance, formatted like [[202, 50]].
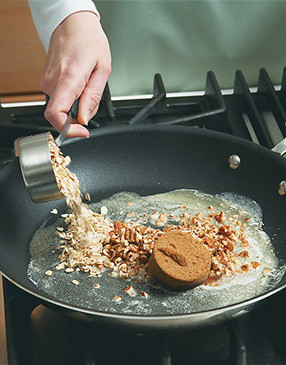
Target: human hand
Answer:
[[78, 64]]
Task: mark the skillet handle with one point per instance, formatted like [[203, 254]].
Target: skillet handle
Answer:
[[280, 147]]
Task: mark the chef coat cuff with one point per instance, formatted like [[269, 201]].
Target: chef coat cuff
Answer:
[[47, 15]]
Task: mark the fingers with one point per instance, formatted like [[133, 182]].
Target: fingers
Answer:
[[77, 130], [57, 111], [58, 106], [63, 97], [78, 65], [91, 96]]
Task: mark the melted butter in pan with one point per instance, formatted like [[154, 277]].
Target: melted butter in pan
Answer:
[[126, 206]]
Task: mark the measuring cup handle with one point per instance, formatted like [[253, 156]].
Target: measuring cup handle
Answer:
[[72, 114], [74, 108]]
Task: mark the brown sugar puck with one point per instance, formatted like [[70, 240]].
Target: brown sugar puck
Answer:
[[179, 261]]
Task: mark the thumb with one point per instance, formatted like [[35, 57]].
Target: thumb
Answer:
[[88, 106], [91, 96]]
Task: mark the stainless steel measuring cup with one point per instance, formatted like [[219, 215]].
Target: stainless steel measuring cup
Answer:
[[36, 164]]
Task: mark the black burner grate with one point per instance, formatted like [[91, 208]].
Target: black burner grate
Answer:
[[214, 109]]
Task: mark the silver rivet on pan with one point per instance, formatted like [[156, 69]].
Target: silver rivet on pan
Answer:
[[282, 188], [233, 161]]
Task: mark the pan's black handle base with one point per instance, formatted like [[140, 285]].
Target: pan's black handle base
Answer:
[[18, 309], [238, 355]]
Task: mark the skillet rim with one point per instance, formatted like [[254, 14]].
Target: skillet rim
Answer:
[[211, 313]]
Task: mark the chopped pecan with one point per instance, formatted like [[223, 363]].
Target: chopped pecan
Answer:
[[219, 217], [117, 227], [225, 230], [245, 267], [255, 264], [243, 254], [229, 245]]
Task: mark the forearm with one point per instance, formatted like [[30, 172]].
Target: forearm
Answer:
[[47, 14]]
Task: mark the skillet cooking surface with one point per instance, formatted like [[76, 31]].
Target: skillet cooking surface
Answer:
[[145, 160], [63, 286]]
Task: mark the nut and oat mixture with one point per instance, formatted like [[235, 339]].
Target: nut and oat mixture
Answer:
[[66, 180], [91, 242]]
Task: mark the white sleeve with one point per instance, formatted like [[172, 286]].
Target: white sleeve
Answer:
[[48, 14]]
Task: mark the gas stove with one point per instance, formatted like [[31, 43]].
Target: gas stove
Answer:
[[34, 334]]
